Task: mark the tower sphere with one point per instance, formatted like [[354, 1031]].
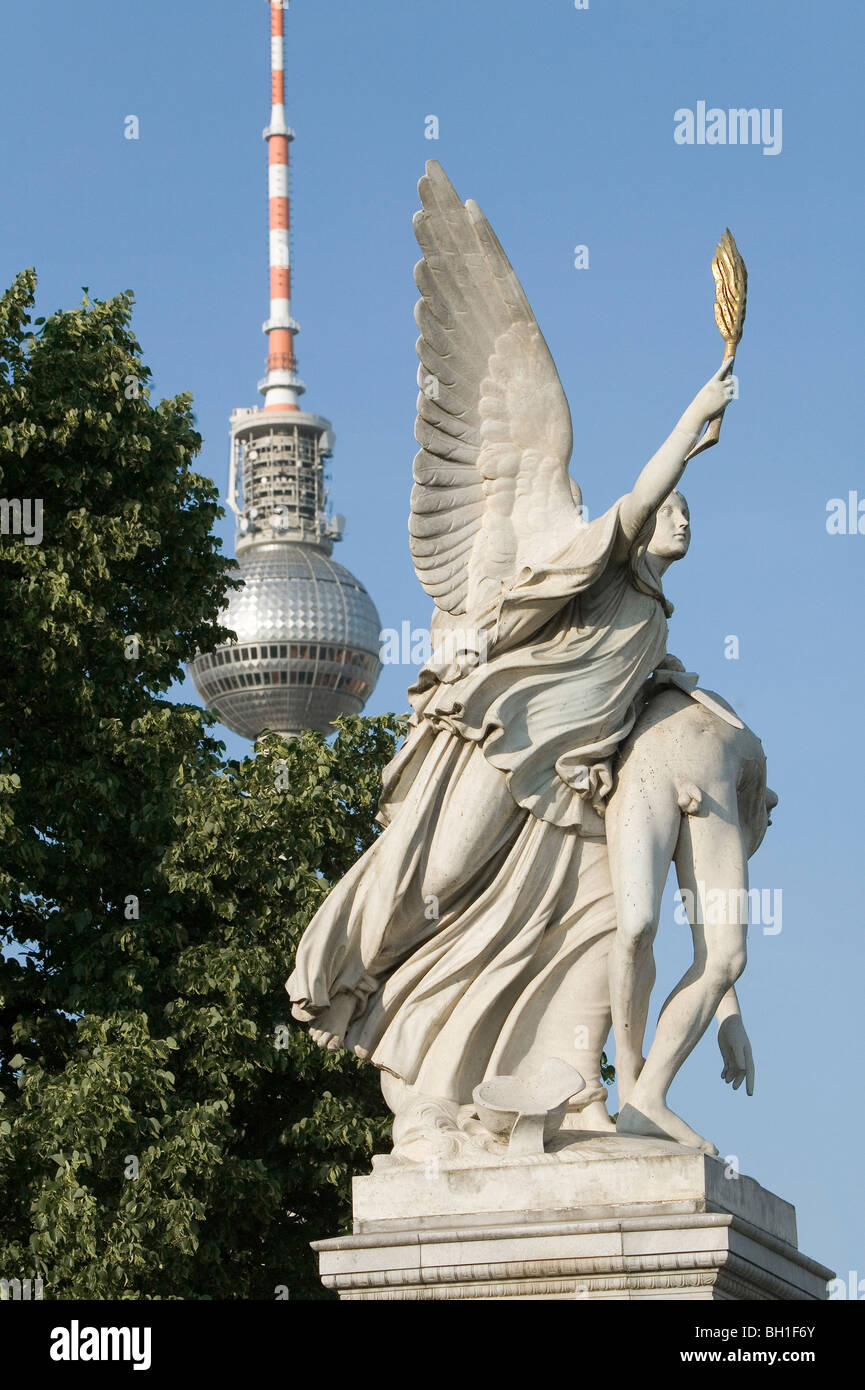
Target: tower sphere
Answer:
[[306, 650]]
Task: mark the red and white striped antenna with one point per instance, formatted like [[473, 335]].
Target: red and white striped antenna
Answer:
[[282, 386]]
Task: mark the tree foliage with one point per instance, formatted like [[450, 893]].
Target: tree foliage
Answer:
[[165, 1131]]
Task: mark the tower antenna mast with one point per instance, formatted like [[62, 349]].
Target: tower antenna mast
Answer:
[[282, 386]]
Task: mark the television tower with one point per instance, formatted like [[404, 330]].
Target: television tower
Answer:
[[307, 631]]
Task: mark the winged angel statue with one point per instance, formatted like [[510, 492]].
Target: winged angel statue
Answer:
[[477, 936]]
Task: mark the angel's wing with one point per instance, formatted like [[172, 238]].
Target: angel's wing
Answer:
[[492, 490]]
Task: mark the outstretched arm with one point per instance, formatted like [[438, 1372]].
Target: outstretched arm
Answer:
[[665, 468]]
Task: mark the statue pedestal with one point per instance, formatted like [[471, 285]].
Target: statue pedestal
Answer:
[[595, 1217]]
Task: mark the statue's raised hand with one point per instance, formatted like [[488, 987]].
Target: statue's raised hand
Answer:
[[714, 397]]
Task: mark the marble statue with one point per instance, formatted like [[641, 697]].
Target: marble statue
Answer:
[[491, 931]]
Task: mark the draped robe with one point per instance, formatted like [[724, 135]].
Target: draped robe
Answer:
[[502, 962]]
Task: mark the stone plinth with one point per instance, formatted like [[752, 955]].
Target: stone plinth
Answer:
[[595, 1217]]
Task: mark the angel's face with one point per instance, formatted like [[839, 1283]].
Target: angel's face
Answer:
[[672, 533]]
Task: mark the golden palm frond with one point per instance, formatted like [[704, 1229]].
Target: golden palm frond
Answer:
[[731, 292]]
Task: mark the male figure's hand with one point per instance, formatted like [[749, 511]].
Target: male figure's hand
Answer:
[[736, 1052]]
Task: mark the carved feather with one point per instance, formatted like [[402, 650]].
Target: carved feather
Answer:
[[491, 477]]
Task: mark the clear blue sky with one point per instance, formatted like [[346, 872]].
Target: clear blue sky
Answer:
[[560, 123]]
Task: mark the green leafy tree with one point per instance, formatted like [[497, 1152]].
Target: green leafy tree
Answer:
[[164, 1131]]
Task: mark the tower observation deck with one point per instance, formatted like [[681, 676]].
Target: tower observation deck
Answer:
[[307, 631]]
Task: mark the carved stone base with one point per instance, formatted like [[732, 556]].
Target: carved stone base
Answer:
[[596, 1217]]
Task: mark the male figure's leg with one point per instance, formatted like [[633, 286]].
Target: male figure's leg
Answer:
[[711, 866], [642, 826]]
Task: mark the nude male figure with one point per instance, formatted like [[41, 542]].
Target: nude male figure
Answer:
[[691, 789]]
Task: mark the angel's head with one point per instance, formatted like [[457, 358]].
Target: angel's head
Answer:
[[672, 534]]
